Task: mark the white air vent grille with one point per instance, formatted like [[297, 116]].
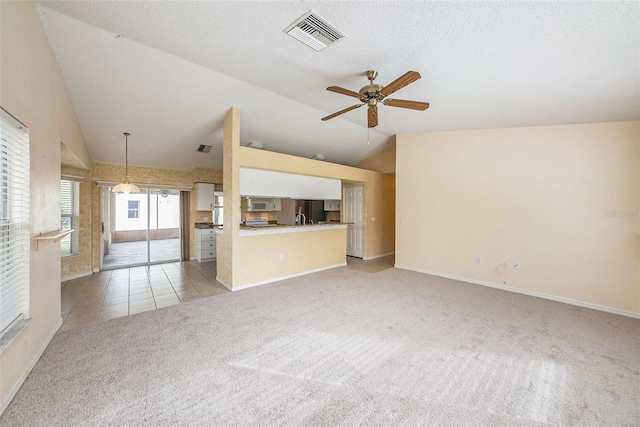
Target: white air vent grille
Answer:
[[314, 31]]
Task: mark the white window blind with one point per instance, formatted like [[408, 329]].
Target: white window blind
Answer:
[[70, 216], [15, 220]]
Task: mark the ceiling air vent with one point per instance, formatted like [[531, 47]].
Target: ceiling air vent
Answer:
[[204, 148], [314, 31]]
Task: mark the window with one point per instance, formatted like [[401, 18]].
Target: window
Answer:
[[70, 216], [15, 220], [133, 211]]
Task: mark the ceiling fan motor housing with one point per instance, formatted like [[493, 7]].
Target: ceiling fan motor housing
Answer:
[[371, 90]]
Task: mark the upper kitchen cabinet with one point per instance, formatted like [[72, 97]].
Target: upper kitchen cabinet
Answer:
[[332, 205], [256, 182], [204, 196]]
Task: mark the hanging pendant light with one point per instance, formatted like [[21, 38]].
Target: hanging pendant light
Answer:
[[126, 187]]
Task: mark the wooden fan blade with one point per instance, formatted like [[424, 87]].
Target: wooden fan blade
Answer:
[[402, 81], [346, 110], [338, 89], [373, 116], [403, 103]]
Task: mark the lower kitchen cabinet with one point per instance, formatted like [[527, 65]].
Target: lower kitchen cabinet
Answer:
[[205, 244]]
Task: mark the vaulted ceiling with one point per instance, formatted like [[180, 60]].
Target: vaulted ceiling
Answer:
[[167, 72]]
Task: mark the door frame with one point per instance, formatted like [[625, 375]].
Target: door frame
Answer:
[[105, 195]]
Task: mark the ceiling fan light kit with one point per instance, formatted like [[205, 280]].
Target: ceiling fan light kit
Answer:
[[373, 93]]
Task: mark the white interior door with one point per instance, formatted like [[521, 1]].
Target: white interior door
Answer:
[[354, 214]]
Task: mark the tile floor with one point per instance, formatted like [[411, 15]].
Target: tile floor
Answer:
[[128, 253], [116, 293]]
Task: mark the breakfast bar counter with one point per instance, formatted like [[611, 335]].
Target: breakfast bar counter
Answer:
[[271, 252], [248, 230]]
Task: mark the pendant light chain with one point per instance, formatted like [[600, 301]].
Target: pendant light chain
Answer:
[[126, 154]]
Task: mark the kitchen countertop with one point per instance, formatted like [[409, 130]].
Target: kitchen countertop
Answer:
[[281, 228], [203, 225]]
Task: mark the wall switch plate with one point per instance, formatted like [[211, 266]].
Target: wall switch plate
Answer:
[[516, 265], [478, 260], [401, 220], [373, 219], [281, 257], [66, 267]]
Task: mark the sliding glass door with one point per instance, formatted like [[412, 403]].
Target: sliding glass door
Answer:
[[164, 226], [139, 229]]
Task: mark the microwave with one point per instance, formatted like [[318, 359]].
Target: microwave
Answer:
[[262, 205], [259, 205]]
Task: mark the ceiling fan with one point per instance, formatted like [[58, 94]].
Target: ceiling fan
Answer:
[[372, 93]]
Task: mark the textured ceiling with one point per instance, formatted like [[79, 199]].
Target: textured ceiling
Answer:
[[177, 67]]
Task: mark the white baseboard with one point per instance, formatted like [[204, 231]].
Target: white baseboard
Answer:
[[76, 276], [225, 284], [367, 258], [529, 293], [289, 276], [17, 385]]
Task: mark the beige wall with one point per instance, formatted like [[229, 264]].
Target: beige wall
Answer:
[[302, 251], [538, 196], [384, 161], [33, 90]]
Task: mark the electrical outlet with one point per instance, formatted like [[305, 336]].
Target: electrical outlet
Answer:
[[66, 267], [206, 219], [516, 265], [281, 257], [478, 260], [373, 219]]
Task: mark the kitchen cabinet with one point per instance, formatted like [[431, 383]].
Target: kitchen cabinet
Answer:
[[204, 196], [205, 244], [332, 205], [257, 182]]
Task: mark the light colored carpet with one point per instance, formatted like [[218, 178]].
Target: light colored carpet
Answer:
[[343, 347]]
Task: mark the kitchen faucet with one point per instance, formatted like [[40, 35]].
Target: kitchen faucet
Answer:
[[301, 217]]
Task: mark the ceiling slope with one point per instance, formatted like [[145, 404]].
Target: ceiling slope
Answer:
[[178, 66]]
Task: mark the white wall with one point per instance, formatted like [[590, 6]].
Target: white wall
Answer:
[[540, 196]]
